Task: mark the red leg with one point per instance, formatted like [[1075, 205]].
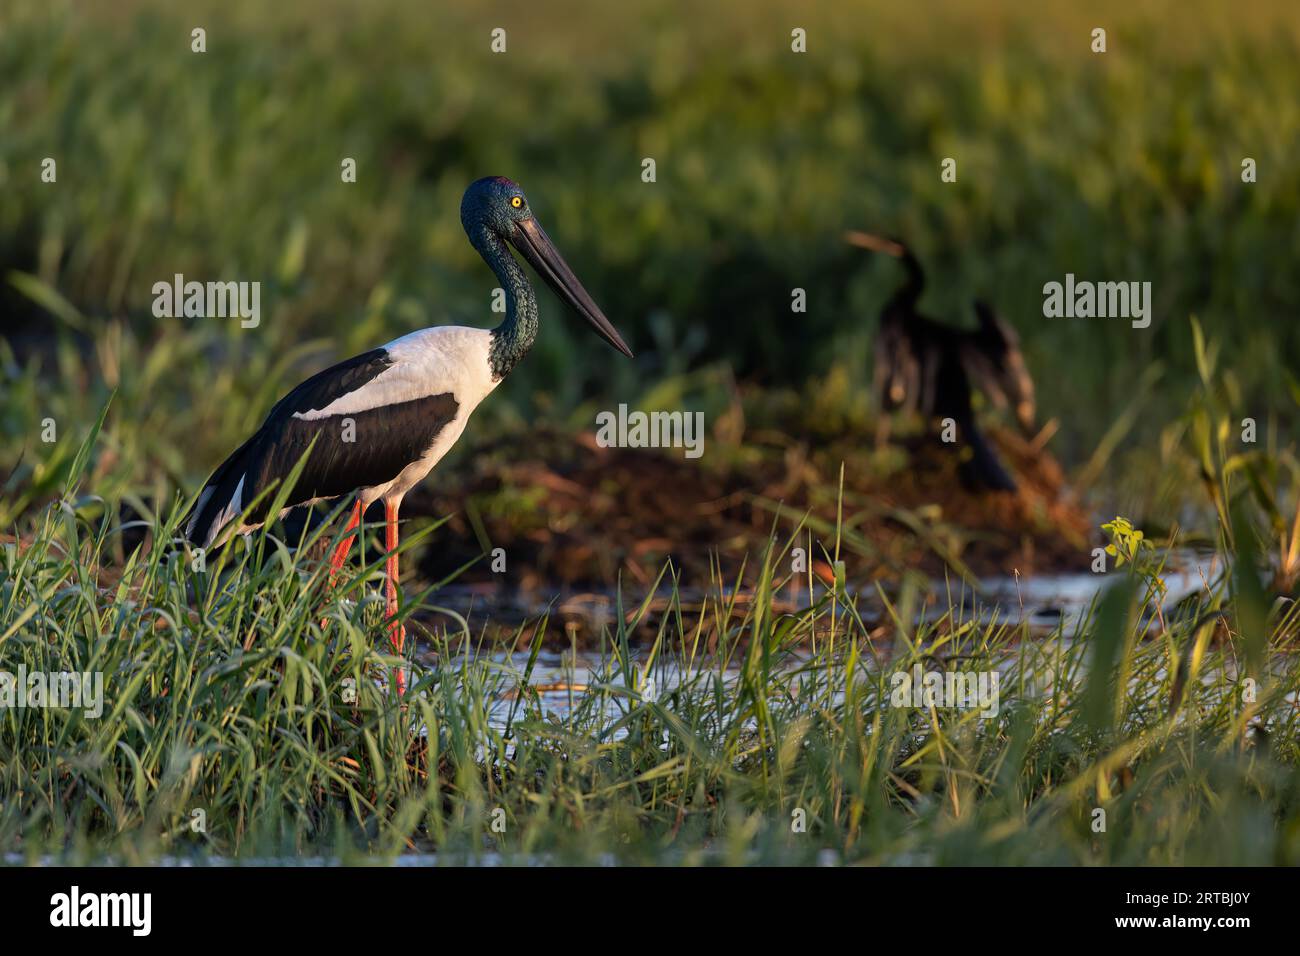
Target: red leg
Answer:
[[396, 633], [341, 552]]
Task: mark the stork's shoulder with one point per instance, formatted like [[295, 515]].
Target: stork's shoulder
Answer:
[[456, 343], [445, 360], [454, 355]]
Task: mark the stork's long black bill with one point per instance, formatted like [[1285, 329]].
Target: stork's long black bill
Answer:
[[535, 246]]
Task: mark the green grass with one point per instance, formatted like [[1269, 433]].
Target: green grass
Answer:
[[225, 695]]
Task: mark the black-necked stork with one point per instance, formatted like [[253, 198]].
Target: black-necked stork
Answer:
[[382, 420], [925, 366]]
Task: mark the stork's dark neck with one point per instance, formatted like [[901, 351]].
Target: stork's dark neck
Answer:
[[511, 339]]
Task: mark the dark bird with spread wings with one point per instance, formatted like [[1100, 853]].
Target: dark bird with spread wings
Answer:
[[923, 366]]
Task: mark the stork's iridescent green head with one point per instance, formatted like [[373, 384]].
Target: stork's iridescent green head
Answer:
[[500, 206]]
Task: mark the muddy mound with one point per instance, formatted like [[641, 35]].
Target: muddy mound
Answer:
[[571, 514]]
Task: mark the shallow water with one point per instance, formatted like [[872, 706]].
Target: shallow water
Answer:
[[1047, 604], [1043, 602]]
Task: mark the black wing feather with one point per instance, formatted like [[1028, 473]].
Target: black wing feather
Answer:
[[384, 441]]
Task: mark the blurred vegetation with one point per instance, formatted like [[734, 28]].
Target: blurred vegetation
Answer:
[[226, 165]]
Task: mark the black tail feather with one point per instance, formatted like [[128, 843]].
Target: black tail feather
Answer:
[[198, 524]]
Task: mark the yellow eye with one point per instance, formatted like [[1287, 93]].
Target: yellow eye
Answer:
[[517, 201]]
